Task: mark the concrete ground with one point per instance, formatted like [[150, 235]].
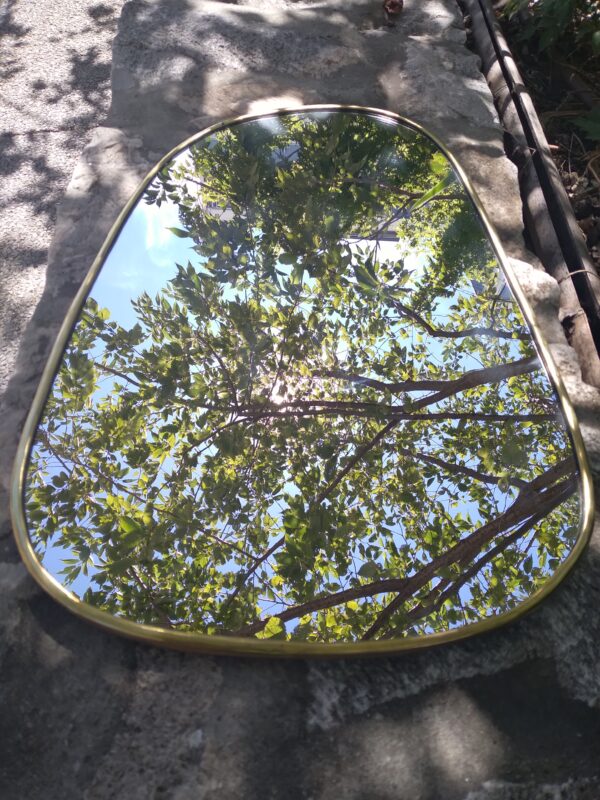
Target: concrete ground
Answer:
[[513, 715], [55, 87]]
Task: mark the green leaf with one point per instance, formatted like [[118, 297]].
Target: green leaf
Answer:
[[180, 233], [432, 193], [438, 164], [287, 258], [369, 570], [274, 627], [590, 124], [129, 525], [364, 277]]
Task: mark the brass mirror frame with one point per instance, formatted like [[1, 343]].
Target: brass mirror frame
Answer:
[[226, 645]]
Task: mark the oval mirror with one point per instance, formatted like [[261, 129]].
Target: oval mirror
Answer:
[[300, 406]]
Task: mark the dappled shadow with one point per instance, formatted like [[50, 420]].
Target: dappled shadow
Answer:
[[89, 82], [176, 71], [8, 25], [102, 15], [55, 87], [85, 94], [12, 32], [433, 725], [51, 649], [228, 57]]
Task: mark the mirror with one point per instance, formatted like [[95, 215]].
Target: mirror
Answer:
[[300, 405]]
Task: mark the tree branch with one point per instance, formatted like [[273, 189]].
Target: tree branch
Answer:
[[544, 498], [250, 571], [320, 603], [403, 192], [408, 313], [438, 599], [148, 592], [360, 453], [544, 501], [461, 469], [469, 379], [116, 373], [398, 415]]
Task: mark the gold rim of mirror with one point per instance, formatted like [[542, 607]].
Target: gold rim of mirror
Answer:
[[226, 645]]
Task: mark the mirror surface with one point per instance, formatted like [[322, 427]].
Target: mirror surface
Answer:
[[300, 401]]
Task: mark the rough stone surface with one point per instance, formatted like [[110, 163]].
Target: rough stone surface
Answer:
[[55, 77], [512, 715]]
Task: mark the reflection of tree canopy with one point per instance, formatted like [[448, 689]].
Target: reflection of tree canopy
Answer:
[[308, 432]]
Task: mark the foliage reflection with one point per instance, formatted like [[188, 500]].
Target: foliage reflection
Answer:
[[325, 420]]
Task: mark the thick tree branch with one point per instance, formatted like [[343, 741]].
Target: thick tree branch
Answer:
[[461, 469], [532, 502], [320, 603], [539, 500], [397, 415], [469, 379], [436, 599], [481, 330], [112, 371]]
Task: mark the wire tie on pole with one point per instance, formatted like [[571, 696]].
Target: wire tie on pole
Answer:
[[577, 272]]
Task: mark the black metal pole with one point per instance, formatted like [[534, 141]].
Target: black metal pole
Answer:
[[549, 220]]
